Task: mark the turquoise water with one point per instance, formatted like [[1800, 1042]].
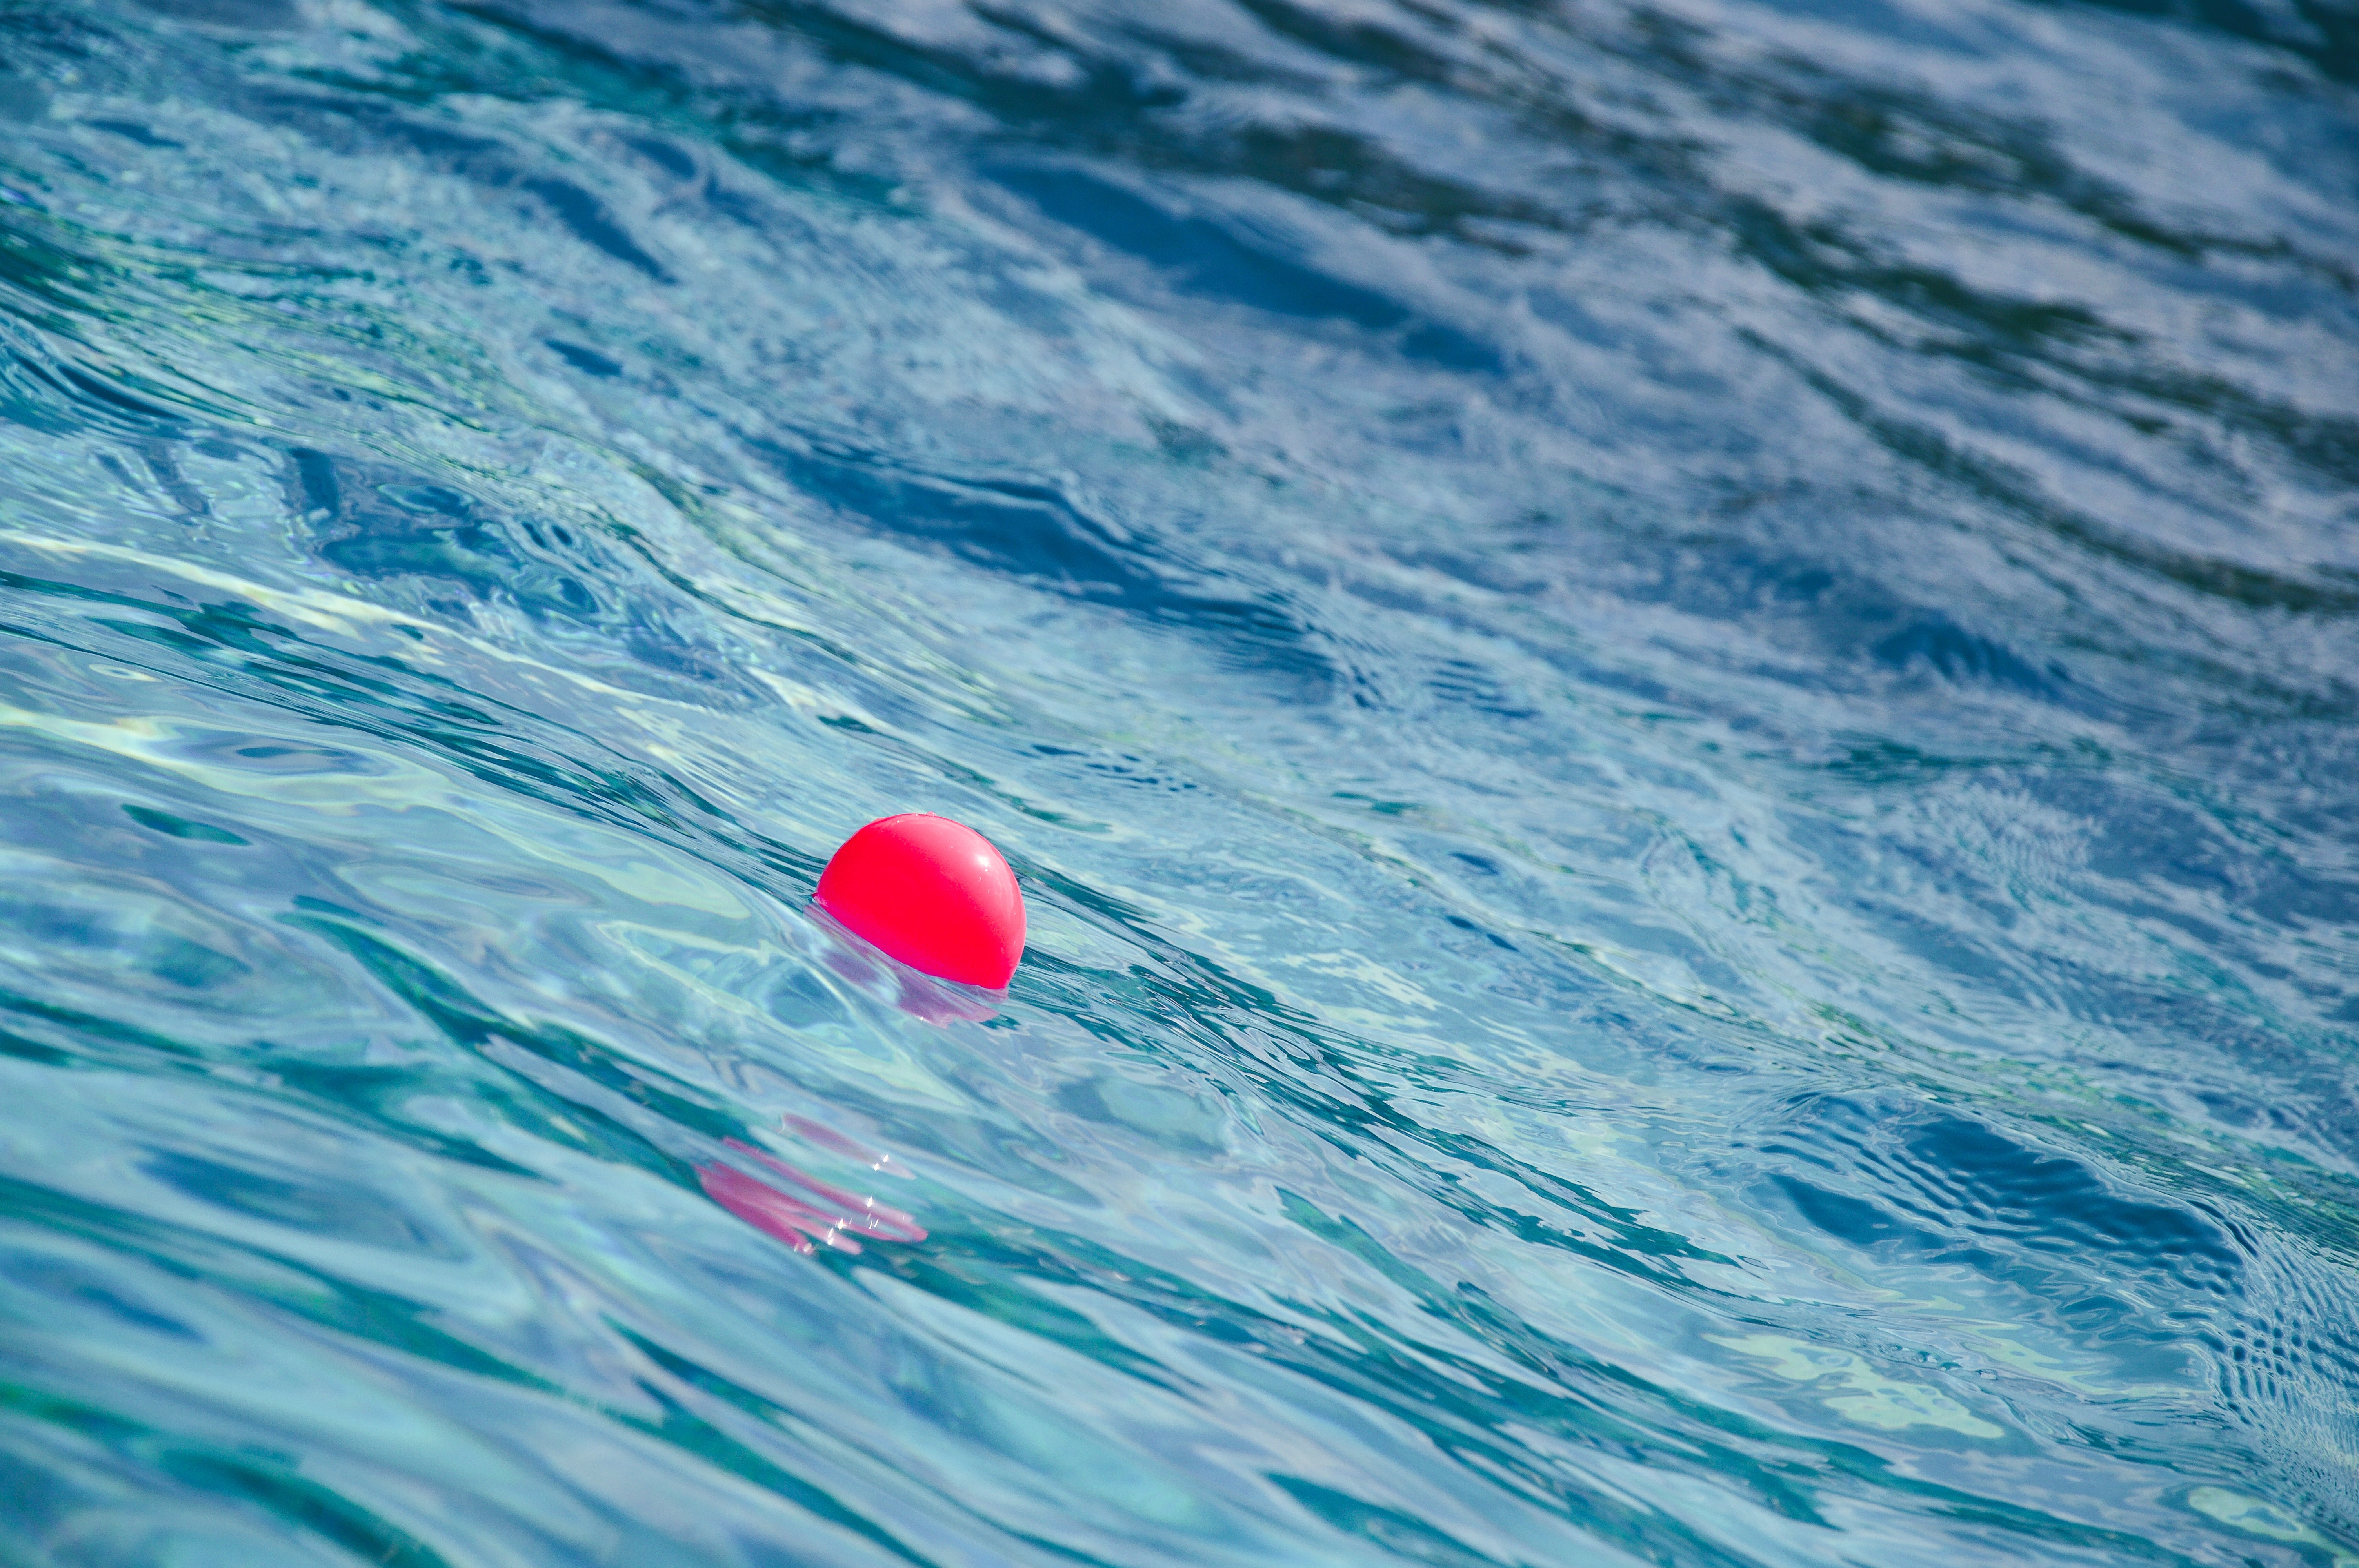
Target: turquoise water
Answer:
[[1674, 684]]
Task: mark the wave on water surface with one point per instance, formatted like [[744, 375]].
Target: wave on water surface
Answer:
[[1672, 683]]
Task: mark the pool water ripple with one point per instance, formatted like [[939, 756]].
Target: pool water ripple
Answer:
[[1673, 687]]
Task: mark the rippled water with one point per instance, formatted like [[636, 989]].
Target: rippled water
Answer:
[[1675, 684]]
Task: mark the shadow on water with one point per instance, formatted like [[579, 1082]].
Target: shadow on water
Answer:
[[1038, 534]]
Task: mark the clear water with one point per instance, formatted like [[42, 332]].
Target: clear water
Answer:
[[1675, 684]]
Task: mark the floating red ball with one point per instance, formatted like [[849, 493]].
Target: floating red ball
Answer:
[[931, 892]]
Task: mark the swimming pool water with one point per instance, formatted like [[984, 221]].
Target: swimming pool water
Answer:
[[1673, 680]]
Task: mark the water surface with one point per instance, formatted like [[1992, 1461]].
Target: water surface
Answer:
[[1674, 684]]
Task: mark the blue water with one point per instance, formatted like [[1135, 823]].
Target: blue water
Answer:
[[1676, 684]]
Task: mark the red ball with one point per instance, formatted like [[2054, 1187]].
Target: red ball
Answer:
[[931, 892]]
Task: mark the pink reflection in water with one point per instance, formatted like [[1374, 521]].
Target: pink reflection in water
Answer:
[[829, 1137], [770, 1211], [863, 1213], [827, 1214]]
